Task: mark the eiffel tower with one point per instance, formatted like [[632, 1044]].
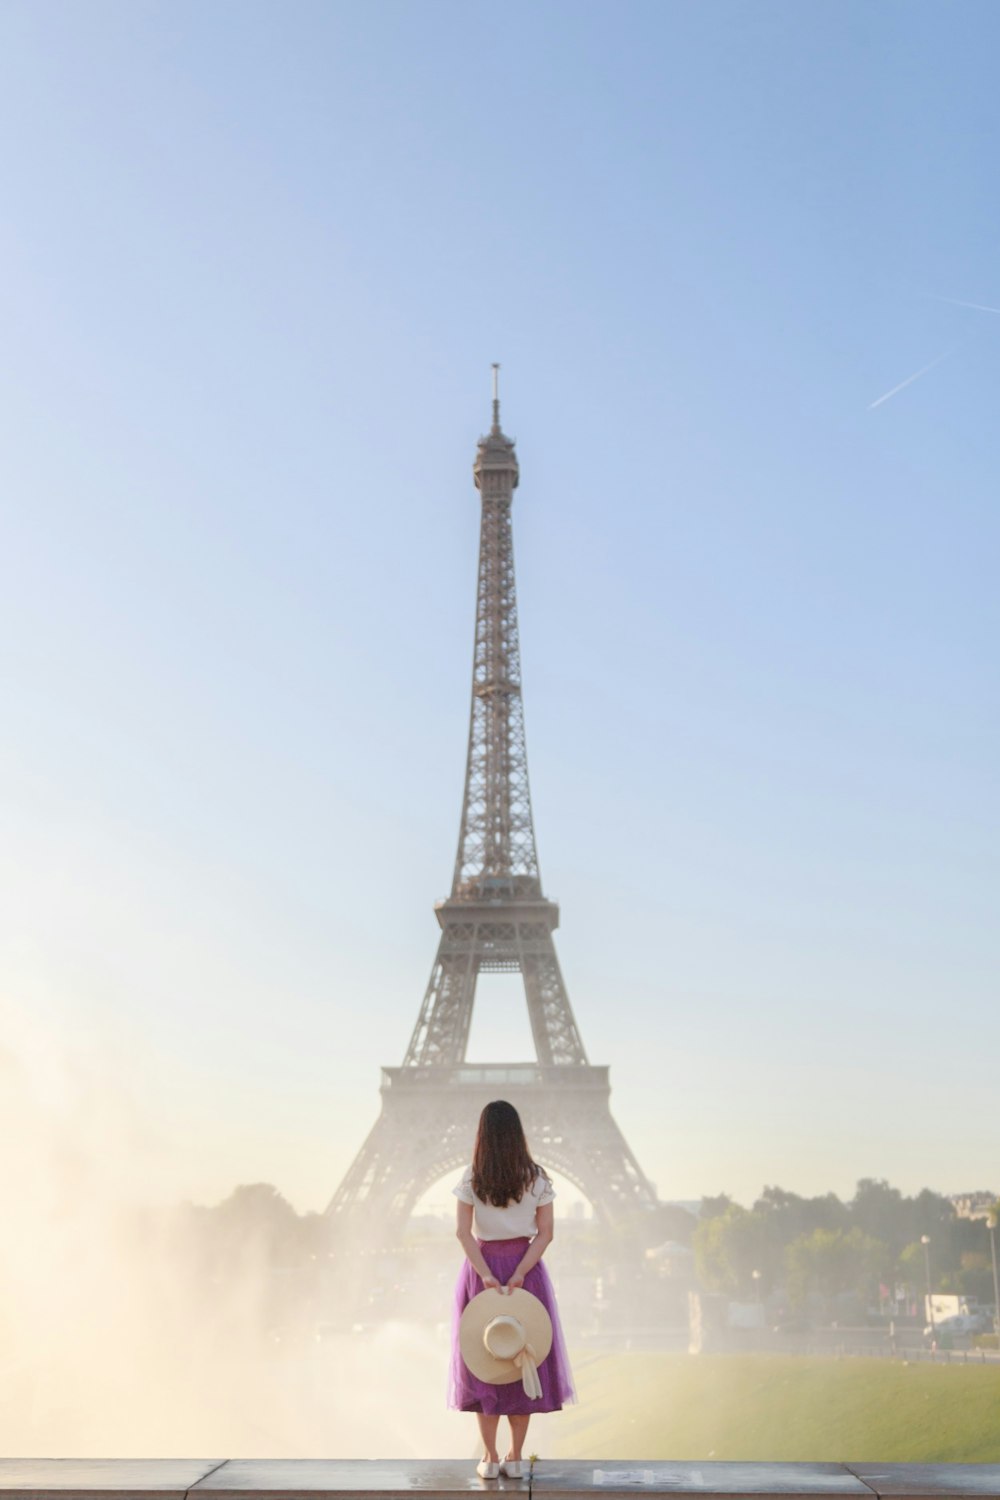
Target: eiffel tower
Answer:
[[496, 920]]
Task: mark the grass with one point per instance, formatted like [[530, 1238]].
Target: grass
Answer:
[[659, 1406]]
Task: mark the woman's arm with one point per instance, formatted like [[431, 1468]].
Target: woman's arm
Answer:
[[468, 1242], [538, 1246]]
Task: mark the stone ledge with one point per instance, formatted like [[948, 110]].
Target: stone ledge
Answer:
[[97, 1478], [359, 1479]]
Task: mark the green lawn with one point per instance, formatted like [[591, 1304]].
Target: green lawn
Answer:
[[779, 1407]]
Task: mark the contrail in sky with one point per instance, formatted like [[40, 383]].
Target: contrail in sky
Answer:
[[955, 302], [910, 379]]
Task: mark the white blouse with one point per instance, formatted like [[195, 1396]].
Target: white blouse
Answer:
[[512, 1222]]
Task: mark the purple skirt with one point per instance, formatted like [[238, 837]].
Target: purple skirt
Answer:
[[465, 1391]]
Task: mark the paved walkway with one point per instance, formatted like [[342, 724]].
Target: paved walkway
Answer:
[[308, 1479]]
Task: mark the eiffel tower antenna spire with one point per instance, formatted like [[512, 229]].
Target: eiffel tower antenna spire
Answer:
[[496, 920]]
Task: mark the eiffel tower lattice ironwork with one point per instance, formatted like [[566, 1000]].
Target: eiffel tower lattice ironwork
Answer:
[[495, 920]]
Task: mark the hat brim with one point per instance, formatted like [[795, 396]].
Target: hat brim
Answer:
[[526, 1308]]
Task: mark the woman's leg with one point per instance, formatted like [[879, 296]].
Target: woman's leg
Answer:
[[518, 1433], [488, 1432]]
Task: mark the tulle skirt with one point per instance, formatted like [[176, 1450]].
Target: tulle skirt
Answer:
[[465, 1391]]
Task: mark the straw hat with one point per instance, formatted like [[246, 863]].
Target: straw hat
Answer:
[[504, 1336]]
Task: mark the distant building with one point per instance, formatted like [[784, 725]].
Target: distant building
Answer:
[[976, 1205]]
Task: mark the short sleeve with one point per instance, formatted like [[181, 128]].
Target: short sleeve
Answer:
[[463, 1189], [544, 1191]]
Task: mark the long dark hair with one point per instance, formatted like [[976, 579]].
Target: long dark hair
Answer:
[[502, 1168]]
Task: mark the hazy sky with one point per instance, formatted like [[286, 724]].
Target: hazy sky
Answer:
[[256, 260]]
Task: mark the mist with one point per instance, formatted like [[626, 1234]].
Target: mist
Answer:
[[116, 1341], [142, 1330]]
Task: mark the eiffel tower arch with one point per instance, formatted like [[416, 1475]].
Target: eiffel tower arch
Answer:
[[496, 920]]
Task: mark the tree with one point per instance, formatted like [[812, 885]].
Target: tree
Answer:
[[787, 1216], [728, 1248], [669, 1222], [254, 1222], [830, 1261], [974, 1277], [878, 1210]]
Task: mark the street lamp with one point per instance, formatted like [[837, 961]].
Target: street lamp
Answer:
[[925, 1240], [992, 1221]]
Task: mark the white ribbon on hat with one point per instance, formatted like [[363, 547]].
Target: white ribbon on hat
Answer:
[[525, 1362]]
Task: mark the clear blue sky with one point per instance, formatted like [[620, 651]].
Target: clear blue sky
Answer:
[[256, 260]]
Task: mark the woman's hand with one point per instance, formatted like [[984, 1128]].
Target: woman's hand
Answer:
[[514, 1283], [490, 1281]]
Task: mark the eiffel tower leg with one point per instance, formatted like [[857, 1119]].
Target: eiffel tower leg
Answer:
[[620, 1190], [442, 1030], [572, 1130], [553, 1027], [416, 1139]]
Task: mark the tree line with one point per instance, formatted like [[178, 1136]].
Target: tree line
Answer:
[[821, 1248], [802, 1249]]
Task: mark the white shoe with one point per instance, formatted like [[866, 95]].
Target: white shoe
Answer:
[[512, 1468], [486, 1470]]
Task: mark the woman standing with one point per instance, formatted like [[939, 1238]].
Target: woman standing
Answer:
[[505, 1227]]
